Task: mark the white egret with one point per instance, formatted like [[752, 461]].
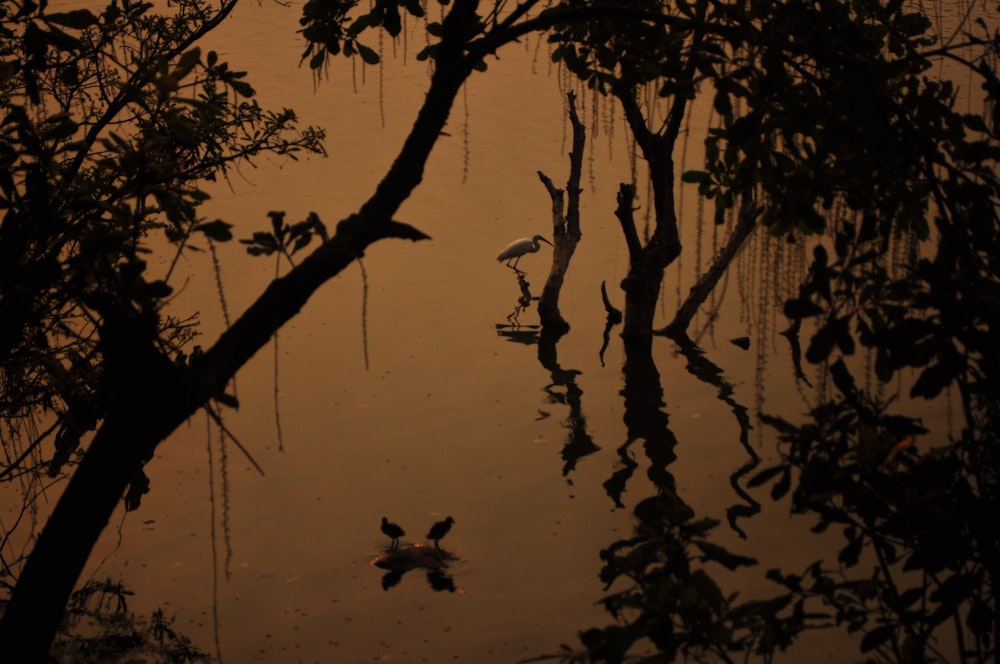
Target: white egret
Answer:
[[393, 531], [518, 248], [439, 530]]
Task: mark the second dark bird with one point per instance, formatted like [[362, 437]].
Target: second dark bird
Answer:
[[439, 530], [393, 531]]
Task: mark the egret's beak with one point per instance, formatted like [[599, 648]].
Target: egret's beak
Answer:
[[546, 242]]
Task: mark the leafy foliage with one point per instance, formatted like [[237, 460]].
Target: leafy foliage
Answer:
[[110, 123], [286, 239], [668, 44], [331, 27], [821, 105], [836, 111], [830, 113], [920, 523], [674, 601], [100, 627], [915, 507]]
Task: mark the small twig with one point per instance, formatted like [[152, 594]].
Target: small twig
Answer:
[[218, 420]]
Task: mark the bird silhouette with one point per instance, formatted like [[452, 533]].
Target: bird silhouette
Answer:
[[393, 531], [439, 530], [518, 248]]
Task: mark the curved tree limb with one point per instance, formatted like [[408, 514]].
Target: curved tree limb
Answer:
[[153, 395], [746, 222]]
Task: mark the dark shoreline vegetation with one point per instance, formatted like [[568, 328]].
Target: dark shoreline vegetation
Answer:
[[834, 128]]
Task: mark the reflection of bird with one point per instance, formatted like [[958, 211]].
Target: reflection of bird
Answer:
[[439, 530], [393, 531], [518, 248]]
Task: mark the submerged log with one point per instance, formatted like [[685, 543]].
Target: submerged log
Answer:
[[414, 557]]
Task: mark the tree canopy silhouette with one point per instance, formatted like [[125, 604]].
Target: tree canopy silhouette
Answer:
[[113, 119]]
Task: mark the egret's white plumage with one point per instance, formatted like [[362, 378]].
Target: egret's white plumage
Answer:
[[518, 248]]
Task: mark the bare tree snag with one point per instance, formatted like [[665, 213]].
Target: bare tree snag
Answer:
[[565, 227]]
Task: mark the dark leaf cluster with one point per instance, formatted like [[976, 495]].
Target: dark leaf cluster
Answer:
[[333, 27], [286, 239], [110, 123], [672, 599]]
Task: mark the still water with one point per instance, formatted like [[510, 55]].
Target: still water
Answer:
[[399, 391]]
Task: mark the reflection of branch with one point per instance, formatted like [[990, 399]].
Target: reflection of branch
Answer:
[[792, 334], [708, 372], [702, 289], [751, 507], [229, 434], [614, 486], [614, 317], [626, 197]]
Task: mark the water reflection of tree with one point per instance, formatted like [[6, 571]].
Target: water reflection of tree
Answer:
[[564, 390], [916, 508], [708, 372], [665, 569], [915, 573], [645, 420]]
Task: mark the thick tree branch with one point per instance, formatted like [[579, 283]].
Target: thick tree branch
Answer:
[[746, 222], [285, 296], [154, 395], [624, 213]]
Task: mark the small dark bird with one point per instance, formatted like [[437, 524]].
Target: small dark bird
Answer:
[[393, 531], [439, 530]]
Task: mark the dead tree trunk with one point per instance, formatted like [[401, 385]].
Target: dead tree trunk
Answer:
[[565, 227]]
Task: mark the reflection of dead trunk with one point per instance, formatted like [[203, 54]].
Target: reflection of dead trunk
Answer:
[[564, 390], [645, 420], [565, 226], [745, 223]]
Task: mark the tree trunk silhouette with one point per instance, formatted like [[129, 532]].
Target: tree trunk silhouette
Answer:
[[646, 266], [565, 227], [152, 396], [648, 262]]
